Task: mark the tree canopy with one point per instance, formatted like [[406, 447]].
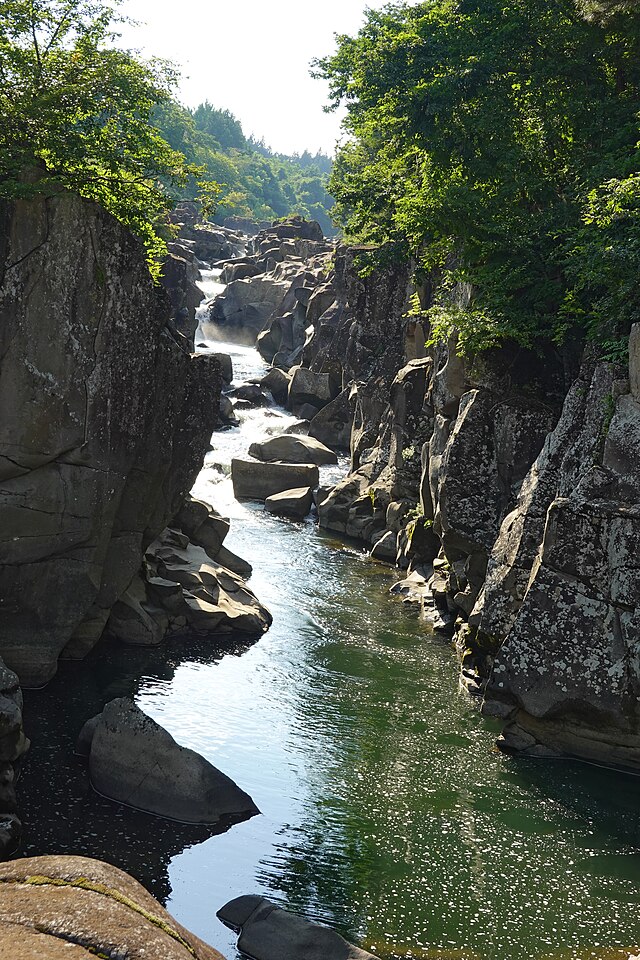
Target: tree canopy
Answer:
[[495, 142], [75, 105]]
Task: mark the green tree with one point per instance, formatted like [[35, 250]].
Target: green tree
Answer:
[[479, 130], [71, 103]]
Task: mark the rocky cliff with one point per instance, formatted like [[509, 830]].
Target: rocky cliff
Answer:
[[508, 485], [105, 422]]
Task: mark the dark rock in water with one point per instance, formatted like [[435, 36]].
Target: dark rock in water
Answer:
[[133, 760], [253, 480], [105, 423], [295, 504], [270, 933], [277, 383], [252, 393], [75, 908], [226, 366], [291, 449]]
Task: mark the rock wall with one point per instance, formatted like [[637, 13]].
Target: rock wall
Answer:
[[105, 423], [508, 485]]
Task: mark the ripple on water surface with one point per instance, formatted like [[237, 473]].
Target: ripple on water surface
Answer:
[[386, 810]]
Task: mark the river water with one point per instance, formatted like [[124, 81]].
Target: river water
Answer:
[[386, 811]]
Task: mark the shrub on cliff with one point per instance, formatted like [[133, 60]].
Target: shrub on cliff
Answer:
[[72, 103], [481, 133]]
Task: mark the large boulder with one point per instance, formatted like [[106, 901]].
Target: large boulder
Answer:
[[269, 933], [332, 424], [295, 504], [74, 908], [308, 387], [292, 449], [105, 424], [133, 760], [253, 480]]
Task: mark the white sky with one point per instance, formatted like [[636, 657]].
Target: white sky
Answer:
[[251, 57]]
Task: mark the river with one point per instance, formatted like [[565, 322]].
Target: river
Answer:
[[386, 810]]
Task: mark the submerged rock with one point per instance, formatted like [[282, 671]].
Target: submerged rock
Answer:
[[269, 933], [75, 908], [133, 760]]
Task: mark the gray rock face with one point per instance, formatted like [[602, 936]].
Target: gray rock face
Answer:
[[332, 424], [269, 933], [105, 423], [253, 480], [133, 760], [566, 674], [292, 449]]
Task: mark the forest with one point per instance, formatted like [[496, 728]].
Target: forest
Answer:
[[496, 145]]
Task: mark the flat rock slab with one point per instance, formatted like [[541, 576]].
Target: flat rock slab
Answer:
[[291, 503], [253, 480], [269, 933], [133, 760], [77, 908], [292, 449]]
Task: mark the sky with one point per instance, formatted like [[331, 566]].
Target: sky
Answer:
[[251, 57]]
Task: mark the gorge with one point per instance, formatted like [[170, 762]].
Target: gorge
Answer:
[[385, 810]]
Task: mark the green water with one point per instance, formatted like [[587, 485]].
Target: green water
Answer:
[[386, 811]]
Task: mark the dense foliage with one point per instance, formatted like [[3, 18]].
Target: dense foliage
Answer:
[[256, 183], [495, 141], [80, 110]]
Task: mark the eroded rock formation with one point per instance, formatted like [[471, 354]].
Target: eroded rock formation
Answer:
[[508, 485], [106, 419]]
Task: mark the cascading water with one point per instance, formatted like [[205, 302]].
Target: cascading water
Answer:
[[385, 809]]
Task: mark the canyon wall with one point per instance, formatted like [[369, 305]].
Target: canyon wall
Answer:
[[507, 485]]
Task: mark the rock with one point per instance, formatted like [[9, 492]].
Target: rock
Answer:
[[179, 276], [307, 387], [74, 908], [292, 449], [251, 393], [226, 365], [294, 503], [105, 424], [332, 424], [184, 582], [136, 620], [227, 410], [133, 760], [239, 271], [230, 561], [386, 547], [249, 303], [299, 428], [277, 383], [269, 933], [83, 743], [253, 480]]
